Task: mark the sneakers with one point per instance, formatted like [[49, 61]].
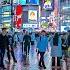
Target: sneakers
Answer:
[[43, 66], [15, 61], [40, 66]]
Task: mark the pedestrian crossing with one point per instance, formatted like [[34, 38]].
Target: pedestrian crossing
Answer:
[[31, 61]]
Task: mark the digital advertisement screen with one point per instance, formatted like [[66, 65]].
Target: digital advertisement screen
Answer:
[[48, 5], [22, 2], [6, 14], [6, 8], [32, 15], [30, 25], [33, 2], [18, 19], [65, 25]]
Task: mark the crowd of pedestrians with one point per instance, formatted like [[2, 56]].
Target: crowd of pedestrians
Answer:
[[59, 42]]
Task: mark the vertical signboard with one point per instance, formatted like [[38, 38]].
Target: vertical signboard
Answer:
[[18, 19]]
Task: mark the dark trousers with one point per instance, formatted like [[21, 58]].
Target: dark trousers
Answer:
[[15, 44], [26, 48], [58, 61], [2, 53], [12, 53], [41, 62]]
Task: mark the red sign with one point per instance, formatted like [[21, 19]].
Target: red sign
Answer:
[[19, 11]]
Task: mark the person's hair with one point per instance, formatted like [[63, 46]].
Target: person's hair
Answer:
[[4, 29], [43, 31]]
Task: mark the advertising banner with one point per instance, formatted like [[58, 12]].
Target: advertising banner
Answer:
[[6, 8], [32, 15], [22, 2], [18, 17], [48, 4]]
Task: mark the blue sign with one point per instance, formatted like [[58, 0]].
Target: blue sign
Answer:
[[33, 2], [22, 2]]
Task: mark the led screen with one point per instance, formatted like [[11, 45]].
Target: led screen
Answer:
[[33, 1], [48, 4], [6, 8], [22, 2], [6, 14]]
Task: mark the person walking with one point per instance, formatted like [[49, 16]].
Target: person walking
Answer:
[[15, 39], [4, 43], [27, 41], [68, 42], [42, 45], [56, 49], [10, 48], [20, 37]]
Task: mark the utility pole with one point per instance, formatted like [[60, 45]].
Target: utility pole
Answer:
[[12, 24]]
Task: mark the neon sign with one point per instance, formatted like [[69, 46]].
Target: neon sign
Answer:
[[18, 19]]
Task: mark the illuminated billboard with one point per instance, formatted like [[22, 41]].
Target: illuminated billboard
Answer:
[[18, 17], [22, 2], [6, 8], [65, 25], [33, 2], [6, 14], [32, 15], [48, 5], [30, 25]]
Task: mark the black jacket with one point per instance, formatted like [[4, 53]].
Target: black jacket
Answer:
[[4, 42], [27, 39], [11, 40]]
